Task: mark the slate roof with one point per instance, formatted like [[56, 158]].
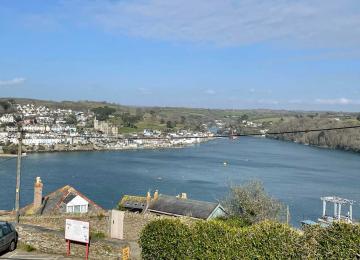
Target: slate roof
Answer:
[[133, 202], [182, 207], [69, 198], [55, 202]]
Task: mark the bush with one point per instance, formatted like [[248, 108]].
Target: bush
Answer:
[[165, 239], [339, 241], [234, 221], [271, 240], [26, 247], [170, 239], [215, 240], [97, 235]]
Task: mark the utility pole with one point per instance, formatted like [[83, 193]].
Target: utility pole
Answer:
[[18, 175]]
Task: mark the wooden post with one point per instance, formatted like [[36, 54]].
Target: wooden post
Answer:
[[87, 251], [68, 248]]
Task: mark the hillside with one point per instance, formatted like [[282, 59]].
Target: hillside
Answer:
[[348, 139]]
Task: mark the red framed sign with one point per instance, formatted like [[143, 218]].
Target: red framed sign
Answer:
[[79, 232]]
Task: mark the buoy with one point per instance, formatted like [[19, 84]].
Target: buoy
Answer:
[[225, 163]]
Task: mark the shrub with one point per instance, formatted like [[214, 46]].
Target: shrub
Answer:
[[271, 240], [26, 247], [234, 221], [165, 239], [215, 240], [170, 239], [97, 234], [338, 241]]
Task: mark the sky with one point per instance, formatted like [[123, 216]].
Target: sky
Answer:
[[236, 54]]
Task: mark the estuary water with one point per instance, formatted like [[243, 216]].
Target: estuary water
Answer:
[[296, 174]]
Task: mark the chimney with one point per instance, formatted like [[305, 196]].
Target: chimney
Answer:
[[156, 195], [38, 192]]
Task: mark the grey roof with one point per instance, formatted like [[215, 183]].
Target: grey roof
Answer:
[[182, 207]]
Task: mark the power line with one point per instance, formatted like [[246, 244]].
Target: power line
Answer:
[[205, 136]]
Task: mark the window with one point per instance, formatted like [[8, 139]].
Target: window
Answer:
[[6, 230], [77, 209], [69, 209], [84, 209]]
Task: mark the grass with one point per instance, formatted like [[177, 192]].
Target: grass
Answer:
[[97, 235], [26, 247]]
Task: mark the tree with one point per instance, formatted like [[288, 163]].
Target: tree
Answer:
[[251, 202], [182, 120], [358, 117], [244, 117], [170, 124], [102, 113], [6, 106], [71, 119]]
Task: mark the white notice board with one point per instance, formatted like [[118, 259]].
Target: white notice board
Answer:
[[76, 230]]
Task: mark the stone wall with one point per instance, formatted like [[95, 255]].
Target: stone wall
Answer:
[[53, 242], [46, 234]]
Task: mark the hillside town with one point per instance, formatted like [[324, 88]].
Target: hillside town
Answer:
[[46, 129]]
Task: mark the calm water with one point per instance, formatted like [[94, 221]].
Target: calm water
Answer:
[[296, 174]]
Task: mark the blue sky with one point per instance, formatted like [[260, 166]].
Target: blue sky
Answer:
[[279, 54]]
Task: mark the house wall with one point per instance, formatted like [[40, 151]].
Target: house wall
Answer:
[[218, 212]]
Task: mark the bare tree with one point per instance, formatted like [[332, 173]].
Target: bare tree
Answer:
[[251, 202]]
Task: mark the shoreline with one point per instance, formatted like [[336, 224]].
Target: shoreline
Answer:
[[349, 150], [104, 149]]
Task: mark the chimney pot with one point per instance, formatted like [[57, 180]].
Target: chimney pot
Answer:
[[156, 195], [184, 195], [148, 197]]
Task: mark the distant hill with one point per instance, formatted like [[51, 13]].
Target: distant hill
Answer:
[[180, 117]]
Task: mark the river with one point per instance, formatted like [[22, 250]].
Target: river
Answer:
[[296, 174]]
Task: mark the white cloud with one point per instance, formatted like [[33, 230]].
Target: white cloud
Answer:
[[210, 92], [144, 91], [337, 101], [11, 82], [296, 101], [232, 22]]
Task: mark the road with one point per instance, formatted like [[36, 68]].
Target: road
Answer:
[[19, 254]]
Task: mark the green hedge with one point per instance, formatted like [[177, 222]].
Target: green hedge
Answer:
[[339, 241], [171, 239], [165, 239]]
